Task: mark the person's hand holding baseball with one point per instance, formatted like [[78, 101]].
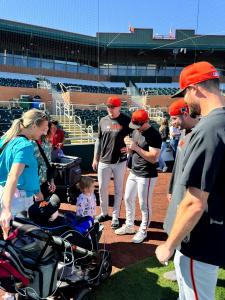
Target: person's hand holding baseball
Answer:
[[163, 253], [127, 140]]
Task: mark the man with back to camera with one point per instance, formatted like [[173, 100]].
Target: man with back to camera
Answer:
[[144, 147], [199, 226], [185, 121], [110, 157]]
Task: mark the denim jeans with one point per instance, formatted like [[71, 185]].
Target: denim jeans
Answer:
[[162, 163], [174, 144]]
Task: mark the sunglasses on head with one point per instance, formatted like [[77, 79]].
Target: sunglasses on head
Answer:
[[137, 123], [41, 118], [183, 110]]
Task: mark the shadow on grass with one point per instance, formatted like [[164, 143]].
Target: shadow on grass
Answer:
[[221, 282], [140, 281], [144, 280], [126, 253]]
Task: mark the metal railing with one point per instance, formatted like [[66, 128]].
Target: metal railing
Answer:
[[74, 122], [90, 133], [156, 113]]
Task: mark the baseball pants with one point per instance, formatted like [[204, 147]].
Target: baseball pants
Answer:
[[143, 187], [196, 280], [105, 172]]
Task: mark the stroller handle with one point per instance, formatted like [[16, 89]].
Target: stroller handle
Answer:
[[57, 240]]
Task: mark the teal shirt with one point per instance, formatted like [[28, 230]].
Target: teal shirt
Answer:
[[20, 150]]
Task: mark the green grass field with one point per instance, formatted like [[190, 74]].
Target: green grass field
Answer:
[[144, 281]]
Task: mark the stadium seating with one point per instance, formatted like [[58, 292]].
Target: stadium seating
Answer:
[[29, 81], [5, 119], [18, 82], [97, 89], [158, 91], [90, 117]]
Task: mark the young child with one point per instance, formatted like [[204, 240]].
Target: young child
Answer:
[[86, 202]]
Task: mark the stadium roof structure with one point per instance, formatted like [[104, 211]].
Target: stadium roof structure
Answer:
[[138, 38]]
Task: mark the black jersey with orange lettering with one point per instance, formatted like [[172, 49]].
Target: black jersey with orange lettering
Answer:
[[111, 134]]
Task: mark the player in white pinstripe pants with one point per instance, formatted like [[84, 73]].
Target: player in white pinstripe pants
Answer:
[[143, 187], [144, 147]]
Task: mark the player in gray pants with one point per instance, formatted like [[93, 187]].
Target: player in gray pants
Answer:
[[110, 157], [105, 171]]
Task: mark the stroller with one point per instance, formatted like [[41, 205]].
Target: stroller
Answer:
[[39, 262]]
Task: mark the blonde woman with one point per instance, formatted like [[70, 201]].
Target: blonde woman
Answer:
[[19, 181]]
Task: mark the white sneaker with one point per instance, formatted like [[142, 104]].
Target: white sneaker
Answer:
[[125, 230], [139, 236], [115, 223], [164, 169]]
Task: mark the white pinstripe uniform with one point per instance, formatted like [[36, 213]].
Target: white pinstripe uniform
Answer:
[[142, 178]]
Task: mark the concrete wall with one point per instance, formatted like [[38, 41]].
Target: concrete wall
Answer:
[[159, 101], [7, 93], [92, 98]]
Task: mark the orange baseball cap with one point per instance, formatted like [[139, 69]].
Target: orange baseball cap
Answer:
[[113, 101], [178, 107], [195, 73], [138, 118]]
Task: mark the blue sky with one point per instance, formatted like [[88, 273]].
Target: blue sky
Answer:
[[89, 16]]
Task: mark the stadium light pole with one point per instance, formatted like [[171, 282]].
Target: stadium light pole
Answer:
[[98, 44], [197, 16]]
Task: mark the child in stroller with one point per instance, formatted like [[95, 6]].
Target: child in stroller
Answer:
[[85, 232], [81, 264]]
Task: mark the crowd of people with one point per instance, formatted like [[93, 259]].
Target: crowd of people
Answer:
[[195, 219]]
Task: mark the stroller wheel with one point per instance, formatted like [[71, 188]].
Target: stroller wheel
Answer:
[[105, 266], [84, 294]]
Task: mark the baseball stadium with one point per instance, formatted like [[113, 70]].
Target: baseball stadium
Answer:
[[76, 81]]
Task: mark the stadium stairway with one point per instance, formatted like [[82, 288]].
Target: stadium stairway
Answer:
[[74, 133]]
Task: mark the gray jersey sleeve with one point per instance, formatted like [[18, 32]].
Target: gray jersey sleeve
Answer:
[[97, 149]]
